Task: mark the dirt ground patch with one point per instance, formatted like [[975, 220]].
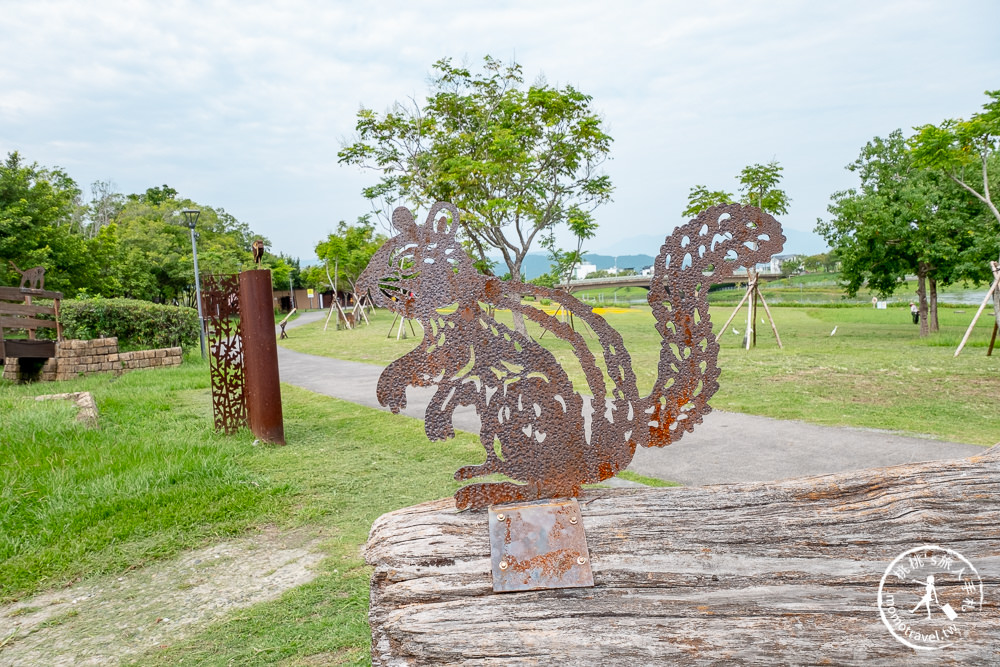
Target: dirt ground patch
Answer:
[[101, 622]]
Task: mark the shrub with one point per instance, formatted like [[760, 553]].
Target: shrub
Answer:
[[136, 324], [545, 302]]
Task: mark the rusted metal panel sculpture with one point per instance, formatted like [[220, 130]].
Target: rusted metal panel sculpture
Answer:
[[221, 301], [533, 422]]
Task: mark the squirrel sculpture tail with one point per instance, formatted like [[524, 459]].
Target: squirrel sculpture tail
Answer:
[[704, 251]]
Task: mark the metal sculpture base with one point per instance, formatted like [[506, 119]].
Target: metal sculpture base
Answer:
[[538, 545]]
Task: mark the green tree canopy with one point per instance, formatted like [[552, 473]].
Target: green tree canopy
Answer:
[[901, 220], [38, 211], [133, 246], [153, 259], [826, 261], [759, 185], [347, 252], [701, 198], [966, 151], [516, 161], [564, 262]]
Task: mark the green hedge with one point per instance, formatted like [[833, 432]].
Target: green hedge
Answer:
[[136, 324]]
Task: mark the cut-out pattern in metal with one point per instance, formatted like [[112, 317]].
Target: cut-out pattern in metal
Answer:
[[534, 428], [221, 305]]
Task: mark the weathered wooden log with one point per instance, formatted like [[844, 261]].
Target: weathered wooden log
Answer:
[[772, 573]]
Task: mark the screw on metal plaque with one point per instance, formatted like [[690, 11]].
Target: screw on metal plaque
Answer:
[[539, 545], [533, 428]]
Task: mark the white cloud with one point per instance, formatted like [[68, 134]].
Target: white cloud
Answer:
[[244, 105]]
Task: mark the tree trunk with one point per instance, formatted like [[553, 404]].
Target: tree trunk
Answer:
[[515, 276], [772, 573], [995, 267], [932, 304], [922, 298]]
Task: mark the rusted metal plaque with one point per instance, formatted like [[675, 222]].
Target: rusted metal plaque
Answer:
[[539, 545], [533, 424]]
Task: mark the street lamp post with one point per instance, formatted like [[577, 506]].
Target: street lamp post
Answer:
[[191, 217]]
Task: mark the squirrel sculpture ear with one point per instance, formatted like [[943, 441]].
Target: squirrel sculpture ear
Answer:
[[442, 223], [402, 220]]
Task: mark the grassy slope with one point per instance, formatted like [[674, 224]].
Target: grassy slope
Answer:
[[874, 372], [155, 480], [75, 500]]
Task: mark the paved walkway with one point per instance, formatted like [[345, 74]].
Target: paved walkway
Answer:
[[727, 447]]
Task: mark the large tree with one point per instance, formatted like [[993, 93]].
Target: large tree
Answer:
[[515, 160], [966, 151], [154, 260], [38, 226], [135, 246], [902, 219]]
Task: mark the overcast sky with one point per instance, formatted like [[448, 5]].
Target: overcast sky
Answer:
[[244, 105]]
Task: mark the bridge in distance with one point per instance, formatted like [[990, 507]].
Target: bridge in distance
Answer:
[[737, 278]]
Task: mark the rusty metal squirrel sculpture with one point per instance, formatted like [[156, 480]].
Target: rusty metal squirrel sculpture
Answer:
[[533, 422]]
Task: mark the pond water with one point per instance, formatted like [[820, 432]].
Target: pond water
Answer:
[[963, 296]]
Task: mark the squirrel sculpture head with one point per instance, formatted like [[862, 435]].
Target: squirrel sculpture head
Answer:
[[420, 269]]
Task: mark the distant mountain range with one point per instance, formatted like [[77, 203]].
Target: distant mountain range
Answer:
[[535, 264], [796, 243]]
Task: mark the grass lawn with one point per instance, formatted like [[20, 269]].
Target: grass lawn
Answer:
[[154, 480], [873, 372], [825, 289], [606, 296]]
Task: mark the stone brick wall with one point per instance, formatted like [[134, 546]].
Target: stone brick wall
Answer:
[[100, 355], [165, 356]]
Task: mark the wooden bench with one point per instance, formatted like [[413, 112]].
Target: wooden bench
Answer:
[[17, 312]]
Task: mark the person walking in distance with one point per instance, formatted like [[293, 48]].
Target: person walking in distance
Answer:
[[914, 313]]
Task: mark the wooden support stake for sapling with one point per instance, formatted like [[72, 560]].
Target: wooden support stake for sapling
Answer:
[[330, 314], [770, 319], [393, 325], [358, 308], [733, 316], [982, 306], [284, 321], [754, 291]]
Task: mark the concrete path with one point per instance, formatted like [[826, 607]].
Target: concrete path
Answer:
[[727, 447]]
